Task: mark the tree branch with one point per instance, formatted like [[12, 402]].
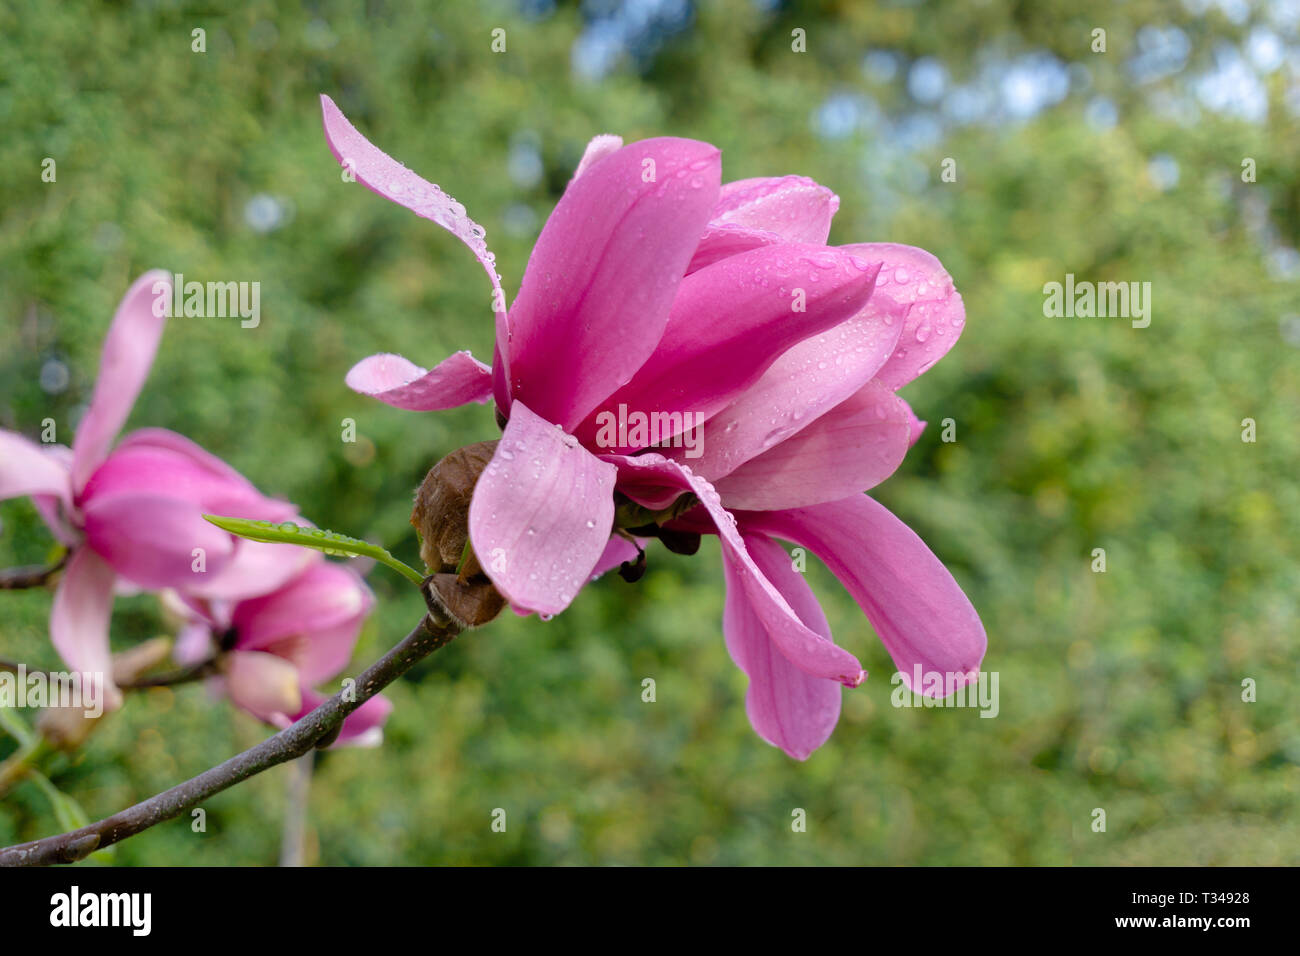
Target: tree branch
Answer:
[[31, 576], [317, 729]]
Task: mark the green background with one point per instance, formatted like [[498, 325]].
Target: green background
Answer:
[[1119, 691]]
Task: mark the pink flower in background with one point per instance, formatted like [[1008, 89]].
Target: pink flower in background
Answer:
[[674, 295], [275, 648], [133, 517]]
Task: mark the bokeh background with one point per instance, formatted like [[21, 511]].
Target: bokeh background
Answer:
[[1120, 690]]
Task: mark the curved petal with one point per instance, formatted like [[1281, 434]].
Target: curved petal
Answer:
[[382, 174], [255, 568], [170, 466], [788, 708], [916, 427], [27, 468], [457, 380], [541, 514], [729, 323], [264, 685], [79, 619], [595, 297], [758, 212], [806, 649], [156, 542], [128, 353], [912, 276], [600, 146], [919, 611], [805, 382], [364, 727], [618, 551], [855, 446], [314, 620]]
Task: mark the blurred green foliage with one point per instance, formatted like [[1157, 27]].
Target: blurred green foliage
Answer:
[[1119, 690]]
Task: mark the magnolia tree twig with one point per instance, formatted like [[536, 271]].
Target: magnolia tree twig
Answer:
[[31, 576], [317, 729]]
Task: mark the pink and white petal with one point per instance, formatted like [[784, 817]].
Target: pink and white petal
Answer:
[[168, 465], [385, 176], [541, 514], [364, 727], [600, 146], [314, 620], [806, 649], [596, 294], [805, 382], [27, 468], [787, 708], [618, 551], [457, 380], [127, 356], [730, 322], [920, 612], [83, 604], [916, 426], [255, 568], [756, 212], [264, 685], [912, 276], [152, 540], [194, 644], [855, 446]]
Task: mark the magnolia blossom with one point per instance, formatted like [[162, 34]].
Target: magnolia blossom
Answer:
[[272, 650], [653, 289], [132, 516]]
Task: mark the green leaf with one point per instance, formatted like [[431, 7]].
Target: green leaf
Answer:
[[331, 542], [68, 812], [13, 725]]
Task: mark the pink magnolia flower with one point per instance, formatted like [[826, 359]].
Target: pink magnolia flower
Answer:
[[275, 648], [132, 517], [673, 295]]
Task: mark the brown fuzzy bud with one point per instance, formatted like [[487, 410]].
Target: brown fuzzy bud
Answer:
[[441, 515]]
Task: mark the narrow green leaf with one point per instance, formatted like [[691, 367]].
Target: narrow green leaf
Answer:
[[67, 811], [13, 725], [331, 542]]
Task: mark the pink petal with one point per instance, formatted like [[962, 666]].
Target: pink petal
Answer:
[[919, 611], [79, 620], [264, 685], [788, 708], [600, 146], [364, 727], [916, 426], [618, 551], [541, 514], [27, 468], [457, 380], [314, 620], [855, 446], [170, 466], [730, 322], [758, 212], [595, 297], [151, 540], [128, 353], [808, 380], [255, 568], [806, 649], [913, 277], [382, 174]]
